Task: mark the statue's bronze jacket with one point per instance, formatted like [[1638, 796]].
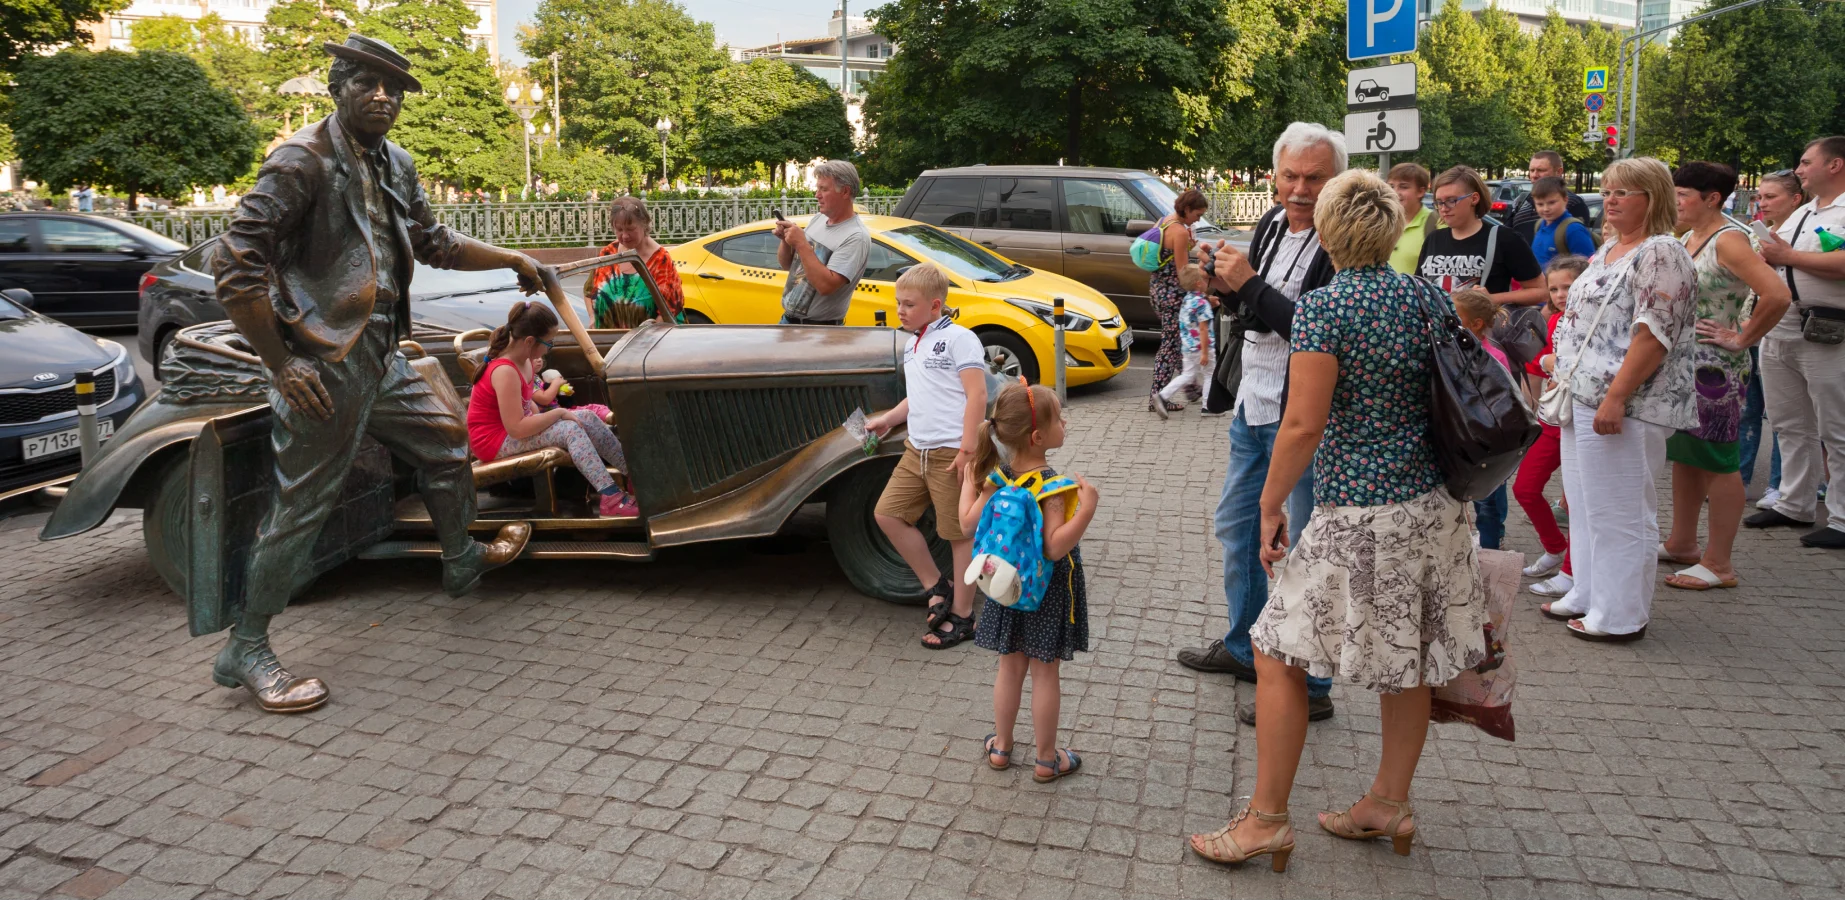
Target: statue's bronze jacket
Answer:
[[302, 246]]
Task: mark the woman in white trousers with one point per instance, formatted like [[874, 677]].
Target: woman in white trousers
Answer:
[[1625, 348]]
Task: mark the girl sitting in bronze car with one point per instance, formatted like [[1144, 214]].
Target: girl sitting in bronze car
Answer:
[[503, 417]]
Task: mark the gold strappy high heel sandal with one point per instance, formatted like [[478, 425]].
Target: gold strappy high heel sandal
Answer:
[[1224, 849], [1342, 825]]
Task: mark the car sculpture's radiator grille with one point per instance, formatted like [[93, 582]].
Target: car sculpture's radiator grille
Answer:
[[723, 432], [27, 408]]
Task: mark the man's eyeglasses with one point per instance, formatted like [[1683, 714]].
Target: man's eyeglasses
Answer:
[[1450, 202], [1624, 193]]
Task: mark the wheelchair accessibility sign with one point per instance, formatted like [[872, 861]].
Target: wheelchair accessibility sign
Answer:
[[1594, 79], [1380, 110]]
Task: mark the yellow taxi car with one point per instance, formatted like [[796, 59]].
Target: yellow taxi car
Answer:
[[734, 277]]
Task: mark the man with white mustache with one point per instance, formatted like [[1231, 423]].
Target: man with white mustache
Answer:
[[1285, 261]]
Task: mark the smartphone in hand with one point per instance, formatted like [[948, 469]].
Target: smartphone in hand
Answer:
[[778, 215], [1760, 228]]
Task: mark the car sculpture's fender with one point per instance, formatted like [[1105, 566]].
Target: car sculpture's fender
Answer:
[[209, 374]]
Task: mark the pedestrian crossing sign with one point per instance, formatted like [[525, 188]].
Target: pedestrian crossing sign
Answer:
[[1594, 79]]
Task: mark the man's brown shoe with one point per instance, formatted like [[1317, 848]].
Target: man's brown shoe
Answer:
[[1215, 659], [463, 575]]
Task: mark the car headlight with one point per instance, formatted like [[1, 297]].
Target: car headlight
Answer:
[[1073, 321], [124, 364]]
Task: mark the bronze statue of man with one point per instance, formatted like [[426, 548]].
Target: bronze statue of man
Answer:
[[315, 272]]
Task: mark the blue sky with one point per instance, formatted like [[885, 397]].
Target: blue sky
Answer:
[[743, 23]]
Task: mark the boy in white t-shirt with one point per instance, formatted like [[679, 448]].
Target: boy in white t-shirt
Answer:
[[944, 374]]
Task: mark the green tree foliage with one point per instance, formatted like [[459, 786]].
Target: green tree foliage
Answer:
[[457, 124], [295, 30], [1563, 51], [29, 27], [1287, 65], [1108, 82], [142, 123], [589, 169], [624, 65], [1469, 70], [767, 111], [1749, 88], [228, 59]]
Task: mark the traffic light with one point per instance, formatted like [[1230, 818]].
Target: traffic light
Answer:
[[1614, 137]]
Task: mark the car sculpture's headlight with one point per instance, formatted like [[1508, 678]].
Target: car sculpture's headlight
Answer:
[[1073, 321]]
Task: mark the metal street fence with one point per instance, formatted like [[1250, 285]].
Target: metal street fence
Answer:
[[586, 223]]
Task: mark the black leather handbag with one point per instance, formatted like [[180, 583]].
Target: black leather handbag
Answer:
[[1480, 424], [1220, 394]]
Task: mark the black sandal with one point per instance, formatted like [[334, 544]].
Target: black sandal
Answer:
[[939, 611], [962, 631]]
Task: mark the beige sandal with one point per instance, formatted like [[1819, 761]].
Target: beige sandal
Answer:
[[1226, 849], [1342, 825]]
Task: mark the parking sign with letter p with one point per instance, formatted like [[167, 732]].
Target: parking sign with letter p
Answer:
[[1379, 28]]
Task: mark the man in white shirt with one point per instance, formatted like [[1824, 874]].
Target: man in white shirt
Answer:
[[1288, 262], [1803, 381]]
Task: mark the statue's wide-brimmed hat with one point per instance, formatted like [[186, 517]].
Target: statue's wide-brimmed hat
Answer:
[[378, 55]]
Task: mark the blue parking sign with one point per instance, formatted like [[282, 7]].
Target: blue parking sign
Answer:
[[1379, 28]]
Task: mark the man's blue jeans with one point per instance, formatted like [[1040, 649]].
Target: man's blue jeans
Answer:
[[1754, 409], [1239, 526], [1489, 515]]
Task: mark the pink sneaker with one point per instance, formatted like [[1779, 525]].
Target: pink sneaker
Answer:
[[621, 503]]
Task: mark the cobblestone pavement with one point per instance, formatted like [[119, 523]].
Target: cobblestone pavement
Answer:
[[739, 721]]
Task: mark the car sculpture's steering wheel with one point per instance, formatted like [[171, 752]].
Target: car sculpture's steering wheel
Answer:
[[550, 277]]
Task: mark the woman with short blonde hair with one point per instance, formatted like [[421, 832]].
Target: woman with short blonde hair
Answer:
[[1384, 591], [1624, 350]]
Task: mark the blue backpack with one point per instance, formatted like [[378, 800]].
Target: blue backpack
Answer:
[[1148, 251], [1009, 565]]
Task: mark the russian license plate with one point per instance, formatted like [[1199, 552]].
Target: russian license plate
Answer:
[[63, 442], [1127, 338]]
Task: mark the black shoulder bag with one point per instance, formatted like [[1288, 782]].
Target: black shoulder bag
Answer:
[[1227, 377], [1819, 325], [1479, 423]]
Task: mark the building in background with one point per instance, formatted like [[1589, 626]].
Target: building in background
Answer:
[[1617, 14], [246, 16], [867, 53]]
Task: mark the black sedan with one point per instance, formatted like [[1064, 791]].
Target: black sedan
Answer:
[[82, 269], [180, 292], [39, 362]]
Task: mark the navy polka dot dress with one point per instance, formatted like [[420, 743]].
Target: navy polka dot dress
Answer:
[[1057, 629]]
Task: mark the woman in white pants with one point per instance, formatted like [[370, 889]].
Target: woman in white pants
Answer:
[[1625, 347]]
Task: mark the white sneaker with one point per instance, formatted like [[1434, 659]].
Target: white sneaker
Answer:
[[1554, 587], [1546, 565], [1770, 498]]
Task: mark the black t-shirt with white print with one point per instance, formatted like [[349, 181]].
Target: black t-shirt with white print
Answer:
[[1453, 264]]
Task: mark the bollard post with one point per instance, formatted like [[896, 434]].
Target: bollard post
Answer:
[[1057, 346], [86, 416]]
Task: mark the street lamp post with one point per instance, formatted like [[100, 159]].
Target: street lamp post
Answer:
[[526, 103], [664, 127]]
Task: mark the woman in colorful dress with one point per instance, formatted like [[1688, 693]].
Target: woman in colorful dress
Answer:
[[1706, 460], [613, 293], [1384, 591], [1168, 295], [1624, 348]]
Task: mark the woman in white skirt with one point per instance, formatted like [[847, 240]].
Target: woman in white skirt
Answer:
[[1384, 590], [1626, 347]]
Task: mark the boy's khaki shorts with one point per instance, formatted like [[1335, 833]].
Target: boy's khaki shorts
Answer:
[[910, 491]]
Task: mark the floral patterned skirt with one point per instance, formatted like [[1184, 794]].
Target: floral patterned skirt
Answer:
[[1385, 598]]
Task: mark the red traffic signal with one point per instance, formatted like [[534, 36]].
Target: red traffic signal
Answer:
[[1614, 136]]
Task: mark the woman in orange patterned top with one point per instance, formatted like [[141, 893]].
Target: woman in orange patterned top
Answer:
[[611, 288]]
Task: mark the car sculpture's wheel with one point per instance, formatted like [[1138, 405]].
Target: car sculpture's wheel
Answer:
[[160, 350], [1009, 356], [694, 317], [869, 561], [165, 524]]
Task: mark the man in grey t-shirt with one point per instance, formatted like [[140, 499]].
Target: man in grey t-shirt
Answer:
[[824, 262]]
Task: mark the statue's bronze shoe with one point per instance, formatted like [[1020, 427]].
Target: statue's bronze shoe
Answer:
[[462, 576], [253, 665]]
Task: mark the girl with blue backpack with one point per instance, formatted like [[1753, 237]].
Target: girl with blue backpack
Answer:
[[1026, 521]]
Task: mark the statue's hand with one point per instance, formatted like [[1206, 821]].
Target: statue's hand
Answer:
[[527, 269], [300, 383]]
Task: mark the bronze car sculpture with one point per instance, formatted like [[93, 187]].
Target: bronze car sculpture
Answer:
[[729, 430]]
